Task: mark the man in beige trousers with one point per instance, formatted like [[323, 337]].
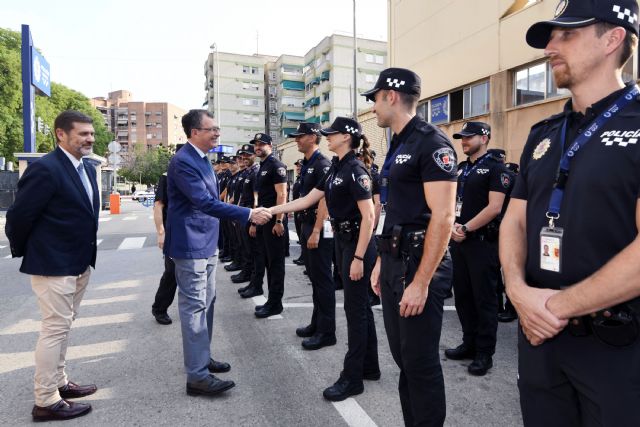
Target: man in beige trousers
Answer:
[[53, 225]]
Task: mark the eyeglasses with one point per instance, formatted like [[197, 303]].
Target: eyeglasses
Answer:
[[213, 129]]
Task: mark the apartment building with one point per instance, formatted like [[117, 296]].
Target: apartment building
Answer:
[[475, 64], [284, 92], [235, 94], [141, 124]]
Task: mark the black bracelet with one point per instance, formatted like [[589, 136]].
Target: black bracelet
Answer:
[[359, 258]]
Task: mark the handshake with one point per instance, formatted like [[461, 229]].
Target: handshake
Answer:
[[260, 215]]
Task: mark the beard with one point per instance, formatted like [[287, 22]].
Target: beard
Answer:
[[562, 77]]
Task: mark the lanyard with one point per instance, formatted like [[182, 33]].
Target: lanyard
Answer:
[[553, 213], [386, 169], [467, 171]]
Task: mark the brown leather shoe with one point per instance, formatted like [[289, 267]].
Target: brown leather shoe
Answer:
[[62, 410], [74, 391]]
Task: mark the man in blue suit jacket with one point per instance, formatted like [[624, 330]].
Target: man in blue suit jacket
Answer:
[[191, 241], [53, 225]]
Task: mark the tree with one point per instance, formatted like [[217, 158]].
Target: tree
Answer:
[[62, 98], [146, 166]]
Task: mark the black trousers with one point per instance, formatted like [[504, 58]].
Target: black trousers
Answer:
[[224, 230], [578, 381], [236, 241], [273, 248], [166, 289], [259, 259], [318, 263], [414, 341], [362, 353], [248, 244], [475, 279]]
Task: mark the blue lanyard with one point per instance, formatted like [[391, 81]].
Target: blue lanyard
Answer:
[[553, 213], [467, 171], [386, 168]]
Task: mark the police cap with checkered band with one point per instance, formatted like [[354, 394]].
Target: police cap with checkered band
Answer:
[[580, 13], [473, 128], [343, 125], [246, 149], [305, 128], [265, 138], [398, 79]]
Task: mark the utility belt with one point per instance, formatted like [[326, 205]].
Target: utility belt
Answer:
[[488, 233], [618, 326], [348, 229], [308, 216], [400, 243]]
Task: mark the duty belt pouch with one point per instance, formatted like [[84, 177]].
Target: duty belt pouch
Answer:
[[620, 329], [396, 236], [412, 249]]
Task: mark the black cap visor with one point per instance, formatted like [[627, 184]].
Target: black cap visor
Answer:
[[328, 131], [539, 33], [370, 94]]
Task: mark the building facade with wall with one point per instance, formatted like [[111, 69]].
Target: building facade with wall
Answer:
[[284, 91], [235, 94], [475, 64]]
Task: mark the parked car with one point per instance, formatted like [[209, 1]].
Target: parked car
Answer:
[[143, 195]]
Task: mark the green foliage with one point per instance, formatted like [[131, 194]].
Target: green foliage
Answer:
[[62, 98], [146, 166]]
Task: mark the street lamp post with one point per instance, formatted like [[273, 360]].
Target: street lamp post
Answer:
[[355, 70]]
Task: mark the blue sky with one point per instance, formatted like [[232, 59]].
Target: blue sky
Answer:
[[156, 49]]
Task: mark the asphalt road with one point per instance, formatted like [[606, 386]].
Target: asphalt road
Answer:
[[137, 364]]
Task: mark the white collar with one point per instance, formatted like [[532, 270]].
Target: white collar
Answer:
[[74, 161], [199, 151]]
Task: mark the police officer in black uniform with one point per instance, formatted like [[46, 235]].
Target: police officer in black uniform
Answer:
[[167, 288], [223, 180], [231, 196], [413, 272], [347, 190], [272, 190], [506, 311], [569, 243], [483, 181], [321, 330], [246, 199], [295, 194]]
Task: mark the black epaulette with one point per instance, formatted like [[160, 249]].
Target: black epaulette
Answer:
[[548, 120], [424, 127]]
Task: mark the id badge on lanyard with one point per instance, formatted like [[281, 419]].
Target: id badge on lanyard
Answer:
[[327, 229], [458, 207], [383, 215], [551, 249]]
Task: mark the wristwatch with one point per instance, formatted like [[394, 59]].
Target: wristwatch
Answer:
[[464, 229], [278, 221]]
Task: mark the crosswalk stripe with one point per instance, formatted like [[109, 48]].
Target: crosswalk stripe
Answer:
[[104, 219], [99, 241], [129, 218], [7, 257], [132, 243], [353, 413], [150, 216], [2, 247]]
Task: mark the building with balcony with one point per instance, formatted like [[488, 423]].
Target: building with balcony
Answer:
[[284, 92], [235, 94], [481, 68]]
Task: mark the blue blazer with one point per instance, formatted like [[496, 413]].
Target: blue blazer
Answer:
[[195, 207], [52, 224]]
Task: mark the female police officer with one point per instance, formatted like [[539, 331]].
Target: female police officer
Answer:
[[347, 188]]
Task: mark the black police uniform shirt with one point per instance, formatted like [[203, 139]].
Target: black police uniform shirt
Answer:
[[425, 154], [598, 212], [162, 196], [224, 180], [232, 187], [295, 189], [490, 174], [375, 179], [317, 168], [248, 186], [272, 171], [345, 184]]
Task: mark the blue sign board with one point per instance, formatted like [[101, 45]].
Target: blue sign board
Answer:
[[440, 109], [226, 149], [40, 77]]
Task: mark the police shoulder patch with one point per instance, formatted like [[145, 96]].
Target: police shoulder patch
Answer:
[[505, 180], [282, 172], [445, 158], [365, 182]]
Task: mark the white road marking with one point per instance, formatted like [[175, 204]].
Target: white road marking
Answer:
[[259, 300], [132, 243], [275, 317], [353, 413], [305, 305], [150, 216], [30, 325], [129, 218], [449, 308], [99, 241], [100, 301], [2, 246], [104, 219], [7, 257]]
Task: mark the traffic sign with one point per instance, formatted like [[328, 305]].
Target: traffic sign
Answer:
[[114, 147], [114, 159]]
